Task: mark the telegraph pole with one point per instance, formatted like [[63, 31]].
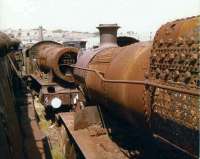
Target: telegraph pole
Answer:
[[41, 38]]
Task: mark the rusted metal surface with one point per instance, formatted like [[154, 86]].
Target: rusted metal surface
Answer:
[[83, 61], [20, 136], [175, 53], [49, 90], [7, 44], [108, 35], [51, 77], [51, 58], [108, 39], [10, 142], [165, 78], [112, 63], [14, 44], [106, 62], [86, 117], [66, 95], [77, 44], [92, 145], [175, 62], [35, 144], [127, 66], [4, 43], [136, 82], [33, 138], [10, 134]]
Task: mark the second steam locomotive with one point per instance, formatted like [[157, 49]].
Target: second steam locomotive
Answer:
[[152, 85]]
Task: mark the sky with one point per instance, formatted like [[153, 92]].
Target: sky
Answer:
[[84, 15]]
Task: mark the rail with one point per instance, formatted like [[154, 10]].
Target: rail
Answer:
[[145, 82]]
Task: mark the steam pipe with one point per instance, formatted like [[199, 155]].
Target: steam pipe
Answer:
[[145, 82]]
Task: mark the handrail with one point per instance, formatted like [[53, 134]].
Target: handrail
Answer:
[[14, 67], [145, 82]]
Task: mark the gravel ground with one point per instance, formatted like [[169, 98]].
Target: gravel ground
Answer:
[[50, 130]]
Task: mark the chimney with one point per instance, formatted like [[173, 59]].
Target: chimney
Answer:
[[108, 35]]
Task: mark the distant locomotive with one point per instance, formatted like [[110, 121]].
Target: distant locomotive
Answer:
[[46, 64], [152, 85], [8, 44]]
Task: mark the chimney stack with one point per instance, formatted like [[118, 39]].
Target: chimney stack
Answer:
[[108, 35]]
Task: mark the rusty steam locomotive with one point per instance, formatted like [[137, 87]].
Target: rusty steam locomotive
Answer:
[[46, 74], [149, 87]]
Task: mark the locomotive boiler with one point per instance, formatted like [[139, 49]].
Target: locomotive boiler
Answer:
[[151, 85], [115, 63], [50, 57], [8, 44]]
